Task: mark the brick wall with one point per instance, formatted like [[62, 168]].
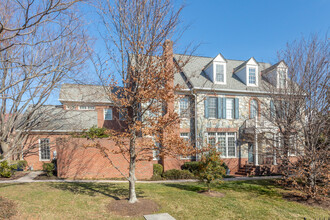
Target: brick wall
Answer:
[[76, 160]]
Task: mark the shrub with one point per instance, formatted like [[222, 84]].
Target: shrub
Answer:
[[177, 174], [21, 164], [157, 172], [156, 177], [211, 167], [191, 166], [48, 168], [95, 132], [158, 169], [7, 170]]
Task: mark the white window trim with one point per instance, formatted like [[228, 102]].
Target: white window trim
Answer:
[[185, 137], [226, 136], [111, 114], [248, 74], [184, 113], [216, 107], [232, 110], [224, 72], [285, 76], [40, 150], [87, 108]]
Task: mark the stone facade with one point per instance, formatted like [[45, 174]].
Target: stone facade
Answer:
[[205, 125]]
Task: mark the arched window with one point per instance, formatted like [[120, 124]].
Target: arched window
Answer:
[[253, 108]]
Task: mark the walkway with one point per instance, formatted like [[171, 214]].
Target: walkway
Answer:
[[29, 178]]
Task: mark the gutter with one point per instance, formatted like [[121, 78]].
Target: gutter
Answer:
[[226, 90], [58, 131], [195, 121]]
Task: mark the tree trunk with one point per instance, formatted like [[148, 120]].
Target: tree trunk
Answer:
[[132, 194], [4, 148]]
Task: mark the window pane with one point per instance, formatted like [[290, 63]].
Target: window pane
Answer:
[[231, 146], [44, 149], [108, 114], [184, 107], [219, 70], [212, 107], [185, 136], [222, 144], [252, 76], [253, 108], [229, 108]]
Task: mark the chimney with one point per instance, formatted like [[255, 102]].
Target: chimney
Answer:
[[168, 56], [169, 65]]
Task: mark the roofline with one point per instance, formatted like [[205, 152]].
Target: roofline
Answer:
[[217, 55], [229, 90], [59, 131], [71, 100], [226, 90]]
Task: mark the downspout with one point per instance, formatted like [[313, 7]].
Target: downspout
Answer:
[[195, 120]]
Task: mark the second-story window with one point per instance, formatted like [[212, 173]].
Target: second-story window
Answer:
[[184, 107], [219, 73], [108, 114], [253, 108], [252, 75], [212, 107], [230, 108]]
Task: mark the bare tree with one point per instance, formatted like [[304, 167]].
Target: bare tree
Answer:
[[41, 43], [299, 109], [135, 36]]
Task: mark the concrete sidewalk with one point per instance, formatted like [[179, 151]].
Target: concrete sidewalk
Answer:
[[29, 178]]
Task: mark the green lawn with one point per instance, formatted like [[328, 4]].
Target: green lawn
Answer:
[[243, 200]]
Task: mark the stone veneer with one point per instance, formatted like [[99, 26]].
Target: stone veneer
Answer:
[[205, 125]]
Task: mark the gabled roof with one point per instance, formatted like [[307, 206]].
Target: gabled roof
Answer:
[[244, 64], [194, 72], [84, 93], [219, 55], [51, 118], [273, 67]]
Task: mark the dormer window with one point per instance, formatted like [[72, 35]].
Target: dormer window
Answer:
[[252, 75], [216, 70], [219, 73], [247, 72], [281, 78]]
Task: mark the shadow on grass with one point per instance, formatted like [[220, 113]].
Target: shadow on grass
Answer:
[[114, 191], [4, 185], [260, 187]]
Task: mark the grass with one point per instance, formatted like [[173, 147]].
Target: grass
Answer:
[[259, 199]]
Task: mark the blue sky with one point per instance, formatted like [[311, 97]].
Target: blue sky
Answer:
[[240, 29]]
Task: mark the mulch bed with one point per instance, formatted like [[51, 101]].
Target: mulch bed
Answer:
[[212, 193], [140, 208], [325, 203], [8, 208], [44, 176], [16, 176]]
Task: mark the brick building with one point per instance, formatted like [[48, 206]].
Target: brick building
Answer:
[[221, 104]]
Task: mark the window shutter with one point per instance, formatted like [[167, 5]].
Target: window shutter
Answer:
[[272, 109], [206, 107], [219, 108], [223, 107], [236, 108]]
